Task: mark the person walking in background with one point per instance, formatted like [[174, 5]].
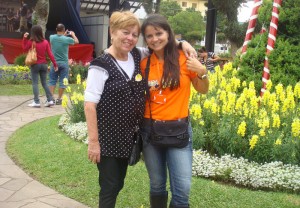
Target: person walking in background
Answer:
[[208, 59], [60, 47], [169, 77], [41, 67]]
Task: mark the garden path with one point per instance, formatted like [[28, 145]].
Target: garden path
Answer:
[[17, 189]]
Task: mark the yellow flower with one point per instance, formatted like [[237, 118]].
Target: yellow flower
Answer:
[[269, 85], [262, 132], [242, 129], [244, 83], [276, 121], [196, 111], [297, 90], [64, 102], [253, 141], [278, 142], [296, 127], [65, 81], [78, 78], [251, 85], [69, 89], [202, 123], [84, 84]]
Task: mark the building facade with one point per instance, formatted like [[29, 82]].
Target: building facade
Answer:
[[198, 5]]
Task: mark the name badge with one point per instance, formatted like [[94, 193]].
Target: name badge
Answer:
[[159, 98]]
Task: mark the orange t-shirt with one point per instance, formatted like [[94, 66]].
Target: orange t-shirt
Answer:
[[167, 104]]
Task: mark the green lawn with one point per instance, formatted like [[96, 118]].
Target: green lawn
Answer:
[[18, 89], [26, 89], [50, 156]]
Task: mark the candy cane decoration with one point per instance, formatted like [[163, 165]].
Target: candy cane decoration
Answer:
[[251, 24], [271, 43]]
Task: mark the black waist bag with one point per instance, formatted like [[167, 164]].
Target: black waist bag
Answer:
[[170, 133]]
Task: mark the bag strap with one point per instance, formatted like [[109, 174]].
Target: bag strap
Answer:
[[33, 45]]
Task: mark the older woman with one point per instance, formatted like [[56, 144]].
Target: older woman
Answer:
[[114, 105]]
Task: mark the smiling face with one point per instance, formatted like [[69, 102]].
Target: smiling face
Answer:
[[156, 38], [124, 40]]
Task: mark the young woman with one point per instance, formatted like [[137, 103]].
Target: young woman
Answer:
[[169, 79], [40, 68]]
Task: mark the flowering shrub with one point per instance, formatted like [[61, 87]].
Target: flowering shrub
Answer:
[[268, 176], [15, 75], [77, 68], [73, 102], [232, 119]]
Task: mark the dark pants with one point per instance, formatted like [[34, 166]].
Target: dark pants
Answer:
[[112, 172]]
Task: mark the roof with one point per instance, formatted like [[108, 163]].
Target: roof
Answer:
[[102, 6]]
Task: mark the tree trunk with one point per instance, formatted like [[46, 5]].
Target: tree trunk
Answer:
[[234, 49], [40, 14]]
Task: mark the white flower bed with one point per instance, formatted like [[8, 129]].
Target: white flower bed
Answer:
[[77, 131], [271, 176]]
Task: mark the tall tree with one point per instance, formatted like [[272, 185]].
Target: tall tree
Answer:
[[233, 30], [169, 8], [188, 24]]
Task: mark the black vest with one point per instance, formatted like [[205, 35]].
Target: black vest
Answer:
[[121, 107]]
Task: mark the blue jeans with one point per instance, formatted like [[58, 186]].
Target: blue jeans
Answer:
[[36, 71], [63, 72], [178, 161]]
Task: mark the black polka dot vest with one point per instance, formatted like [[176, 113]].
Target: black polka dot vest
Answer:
[[121, 107]]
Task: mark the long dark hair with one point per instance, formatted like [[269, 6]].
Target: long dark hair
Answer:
[[171, 73], [37, 33]]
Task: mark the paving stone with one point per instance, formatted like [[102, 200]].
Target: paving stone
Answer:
[[38, 205], [5, 194], [5, 160], [16, 204], [32, 190], [13, 171], [16, 184], [4, 180], [17, 189], [61, 201]]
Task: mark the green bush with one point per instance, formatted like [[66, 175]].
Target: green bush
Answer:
[[20, 60]]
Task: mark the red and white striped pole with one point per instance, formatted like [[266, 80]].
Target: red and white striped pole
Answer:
[[251, 24], [271, 43]]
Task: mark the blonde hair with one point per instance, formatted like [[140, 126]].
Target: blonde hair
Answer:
[[123, 19]]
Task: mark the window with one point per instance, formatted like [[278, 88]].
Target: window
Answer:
[[194, 5], [184, 4]]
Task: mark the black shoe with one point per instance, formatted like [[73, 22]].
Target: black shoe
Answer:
[[58, 101]]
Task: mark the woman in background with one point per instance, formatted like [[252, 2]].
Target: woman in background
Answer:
[[41, 67]]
